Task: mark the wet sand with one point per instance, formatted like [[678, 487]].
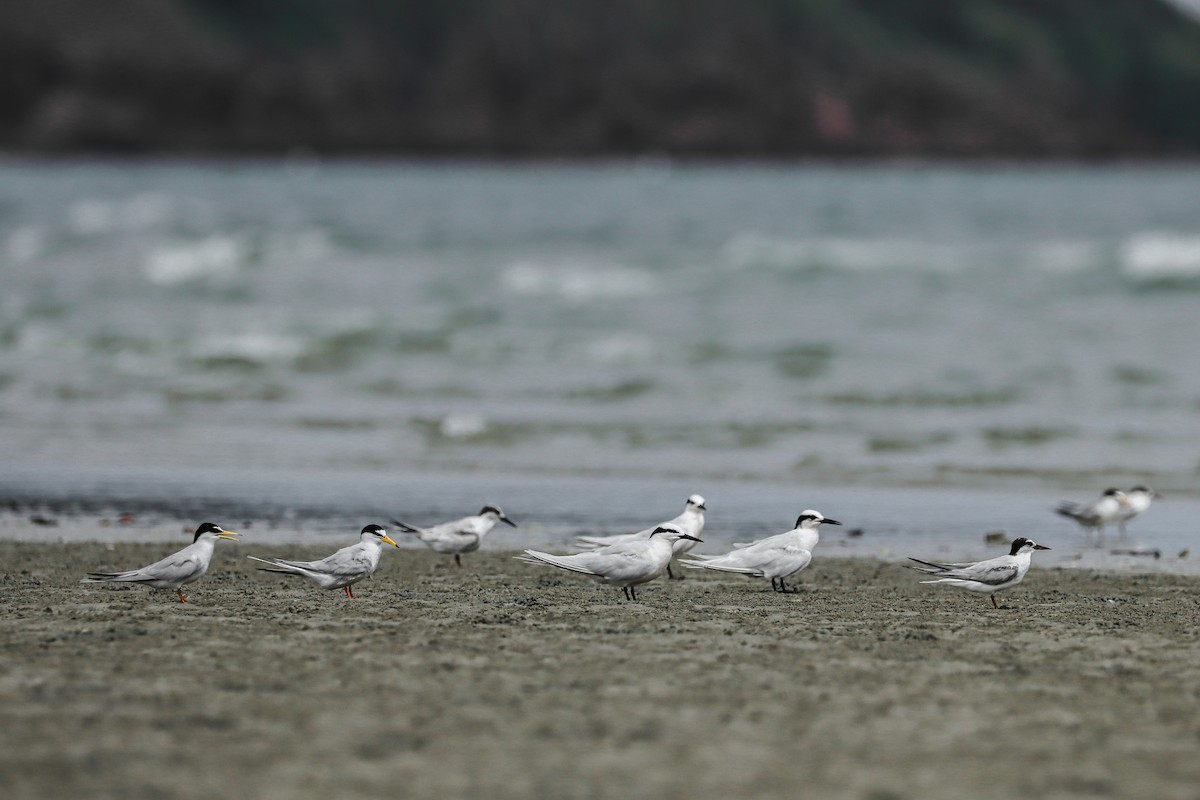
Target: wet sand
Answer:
[[506, 679]]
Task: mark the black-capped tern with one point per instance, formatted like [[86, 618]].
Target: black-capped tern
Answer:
[[177, 570], [341, 570], [458, 536]]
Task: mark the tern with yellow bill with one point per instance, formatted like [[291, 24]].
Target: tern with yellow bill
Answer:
[[174, 571], [341, 570]]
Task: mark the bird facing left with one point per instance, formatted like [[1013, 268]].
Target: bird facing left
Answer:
[[176, 570]]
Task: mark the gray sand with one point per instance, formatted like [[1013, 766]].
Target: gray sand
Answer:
[[506, 679]]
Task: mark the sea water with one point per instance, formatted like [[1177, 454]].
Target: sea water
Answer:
[[624, 334]]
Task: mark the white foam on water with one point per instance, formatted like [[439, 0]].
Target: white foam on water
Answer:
[[462, 425], [255, 345], [1153, 255], [576, 282], [213, 257]]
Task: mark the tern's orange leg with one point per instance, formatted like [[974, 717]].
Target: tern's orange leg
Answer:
[[182, 599], [349, 594]]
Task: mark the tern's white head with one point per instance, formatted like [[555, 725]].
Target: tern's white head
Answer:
[[496, 515], [375, 532], [1023, 545], [213, 532], [810, 519], [695, 503], [672, 534]]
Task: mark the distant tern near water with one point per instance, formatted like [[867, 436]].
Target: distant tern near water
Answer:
[[1138, 499], [987, 577], [691, 522], [341, 570], [625, 564], [174, 571], [1092, 516], [775, 557], [459, 536]]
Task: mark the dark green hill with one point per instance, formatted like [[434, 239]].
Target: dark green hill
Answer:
[[758, 78]]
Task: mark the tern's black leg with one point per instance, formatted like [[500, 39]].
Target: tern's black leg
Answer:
[[457, 560], [994, 604], [625, 589], [774, 588], [782, 586], [633, 593]]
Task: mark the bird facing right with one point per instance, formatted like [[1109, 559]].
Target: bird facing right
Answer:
[[1093, 516], [625, 564], [458, 536], [691, 522], [775, 557], [1138, 499], [987, 577], [341, 570], [177, 570]]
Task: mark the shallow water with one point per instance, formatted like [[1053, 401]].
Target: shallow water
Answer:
[[857, 330], [284, 508]]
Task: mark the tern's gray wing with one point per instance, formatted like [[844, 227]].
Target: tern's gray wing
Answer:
[[1079, 511], [989, 574], [348, 562], [175, 569]]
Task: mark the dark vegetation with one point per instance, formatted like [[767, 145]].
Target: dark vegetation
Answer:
[[706, 78]]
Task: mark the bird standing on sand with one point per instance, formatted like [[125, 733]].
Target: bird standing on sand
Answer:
[[987, 577], [691, 522], [775, 557], [177, 570], [341, 570], [458, 536], [1138, 499], [1097, 515], [625, 564]]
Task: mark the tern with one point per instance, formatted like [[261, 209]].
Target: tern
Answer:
[[1090, 516], [174, 571], [625, 564], [691, 522], [458, 536], [987, 577], [341, 570], [1138, 499], [775, 557]]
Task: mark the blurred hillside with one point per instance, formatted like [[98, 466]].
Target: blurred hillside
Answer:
[[1072, 78]]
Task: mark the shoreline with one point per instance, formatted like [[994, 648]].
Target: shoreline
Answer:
[[505, 679]]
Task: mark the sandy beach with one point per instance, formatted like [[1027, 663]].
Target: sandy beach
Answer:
[[505, 679]]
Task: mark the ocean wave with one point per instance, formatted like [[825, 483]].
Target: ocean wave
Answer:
[[749, 251], [213, 257], [1159, 255], [577, 282], [94, 216], [251, 347]]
